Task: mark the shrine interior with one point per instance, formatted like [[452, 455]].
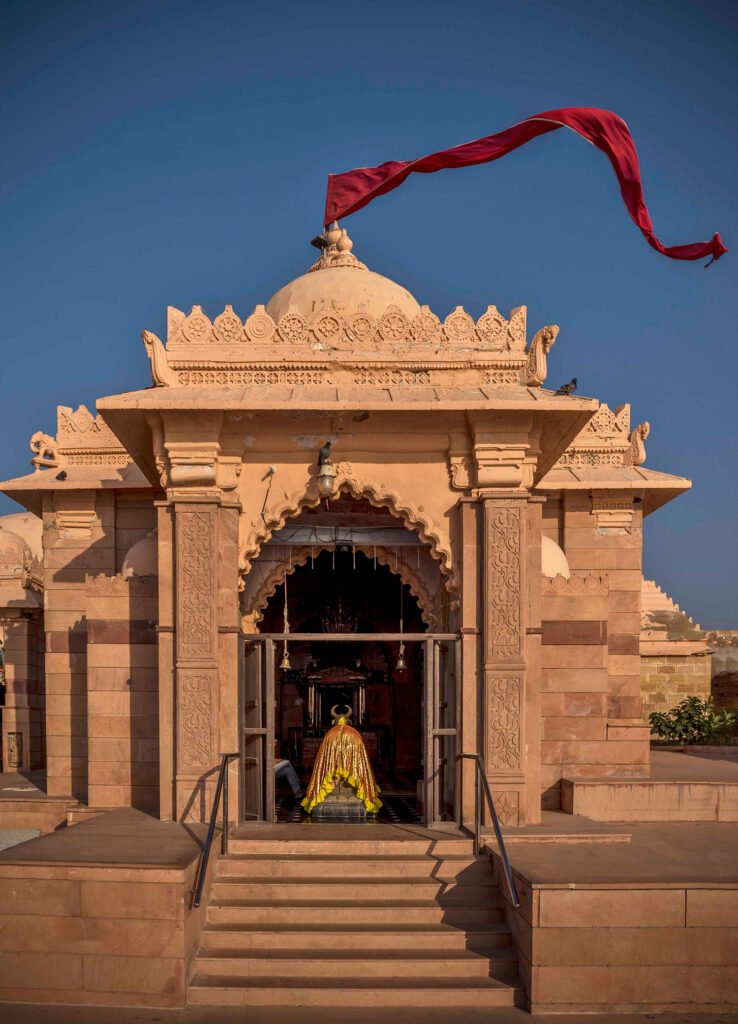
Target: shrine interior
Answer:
[[342, 590]]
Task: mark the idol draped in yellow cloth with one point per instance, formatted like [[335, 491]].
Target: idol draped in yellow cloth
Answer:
[[342, 756]]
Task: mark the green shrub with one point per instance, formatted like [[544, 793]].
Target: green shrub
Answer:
[[695, 721]]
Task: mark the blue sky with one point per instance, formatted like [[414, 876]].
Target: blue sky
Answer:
[[159, 153]]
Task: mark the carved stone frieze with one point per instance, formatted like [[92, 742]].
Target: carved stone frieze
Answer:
[[196, 584], [586, 584], [613, 516], [81, 440], [299, 349], [507, 805], [604, 441], [503, 722], [503, 542], [195, 721]]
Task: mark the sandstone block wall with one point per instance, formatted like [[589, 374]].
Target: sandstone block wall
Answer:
[[666, 681], [122, 693], [619, 949], [590, 676], [106, 936]]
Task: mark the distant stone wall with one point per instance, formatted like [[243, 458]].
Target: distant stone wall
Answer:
[[724, 644], [666, 681], [675, 655]]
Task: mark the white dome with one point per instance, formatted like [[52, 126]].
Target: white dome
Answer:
[[553, 560]]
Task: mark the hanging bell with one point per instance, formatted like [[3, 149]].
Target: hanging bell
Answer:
[[285, 663], [401, 665]]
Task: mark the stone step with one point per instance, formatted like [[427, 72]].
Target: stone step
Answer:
[[370, 937], [339, 963], [370, 890], [227, 990], [446, 868], [350, 848], [352, 913]]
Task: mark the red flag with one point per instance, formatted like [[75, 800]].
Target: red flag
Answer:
[[349, 191]]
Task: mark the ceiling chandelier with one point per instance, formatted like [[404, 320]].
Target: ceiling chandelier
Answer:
[[337, 620]]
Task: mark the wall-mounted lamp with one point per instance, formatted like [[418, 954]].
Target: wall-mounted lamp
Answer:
[[326, 479]]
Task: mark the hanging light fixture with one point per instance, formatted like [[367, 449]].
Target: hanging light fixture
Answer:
[[285, 663], [400, 673]]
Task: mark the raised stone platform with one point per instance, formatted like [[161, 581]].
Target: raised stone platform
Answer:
[[24, 804], [682, 786], [100, 913], [646, 926]]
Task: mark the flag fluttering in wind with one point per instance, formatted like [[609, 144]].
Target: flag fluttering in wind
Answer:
[[350, 191]]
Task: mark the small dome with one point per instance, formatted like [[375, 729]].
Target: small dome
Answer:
[[553, 560], [24, 525], [15, 554], [339, 280], [142, 558]]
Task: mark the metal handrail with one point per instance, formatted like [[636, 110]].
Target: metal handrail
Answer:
[[480, 776], [221, 787]]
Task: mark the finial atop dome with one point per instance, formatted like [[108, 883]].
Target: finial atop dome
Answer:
[[335, 246]]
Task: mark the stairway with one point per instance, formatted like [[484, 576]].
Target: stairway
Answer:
[[411, 920]]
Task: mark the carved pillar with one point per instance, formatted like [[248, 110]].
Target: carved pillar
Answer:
[[472, 549], [229, 647], [196, 648]]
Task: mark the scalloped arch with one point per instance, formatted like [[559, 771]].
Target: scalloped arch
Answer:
[[412, 516], [280, 570]]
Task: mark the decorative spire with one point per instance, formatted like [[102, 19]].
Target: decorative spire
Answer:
[[335, 246]]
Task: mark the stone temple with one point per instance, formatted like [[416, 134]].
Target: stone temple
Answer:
[[460, 570]]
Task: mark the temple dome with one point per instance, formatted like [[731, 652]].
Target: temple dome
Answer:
[[339, 280]]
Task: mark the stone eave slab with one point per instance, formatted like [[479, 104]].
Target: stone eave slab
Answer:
[[562, 417], [29, 490], [334, 398], [657, 488]]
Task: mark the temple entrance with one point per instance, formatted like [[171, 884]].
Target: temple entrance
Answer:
[[344, 631]]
